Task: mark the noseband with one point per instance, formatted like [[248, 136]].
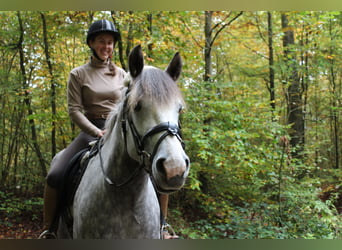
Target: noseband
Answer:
[[169, 129]]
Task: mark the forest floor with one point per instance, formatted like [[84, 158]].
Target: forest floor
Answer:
[[21, 215], [27, 223], [20, 228]]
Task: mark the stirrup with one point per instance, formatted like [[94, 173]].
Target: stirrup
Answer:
[[165, 229], [47, 234]]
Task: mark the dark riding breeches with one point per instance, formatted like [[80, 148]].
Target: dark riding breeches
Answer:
[[61, 160]]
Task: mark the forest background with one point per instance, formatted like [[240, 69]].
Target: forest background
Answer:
[[262, 125]]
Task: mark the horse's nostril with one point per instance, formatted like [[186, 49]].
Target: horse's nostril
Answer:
[[187, 162], [160, 166], [187, 166]]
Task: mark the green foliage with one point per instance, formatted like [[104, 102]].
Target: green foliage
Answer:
[[243, 181], [299, 214], [13, 207], [232, 146]]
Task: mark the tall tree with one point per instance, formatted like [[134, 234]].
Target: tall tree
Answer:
[[120, 41], [27, 98], [211, 33], [295, 117], [334, 99], [271, 61], [150, 29], [52, 85], [208, 44]]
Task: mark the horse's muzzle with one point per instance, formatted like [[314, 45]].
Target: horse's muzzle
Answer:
[[172, 173]]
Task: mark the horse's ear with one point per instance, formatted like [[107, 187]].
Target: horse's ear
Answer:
[[136, 61], [175, 67]]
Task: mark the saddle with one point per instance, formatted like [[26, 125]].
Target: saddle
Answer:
[[71, 180], [73, 175]]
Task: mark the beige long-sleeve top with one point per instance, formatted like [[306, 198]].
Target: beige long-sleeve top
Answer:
[[93, 92]]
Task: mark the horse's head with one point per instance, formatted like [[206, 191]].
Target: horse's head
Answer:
[[153, 105]]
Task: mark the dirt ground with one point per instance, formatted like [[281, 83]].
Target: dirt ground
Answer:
[[25, 229]]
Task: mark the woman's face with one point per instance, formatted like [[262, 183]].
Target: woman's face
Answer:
[[103, 44]]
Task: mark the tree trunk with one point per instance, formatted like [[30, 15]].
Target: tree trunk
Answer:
[[12, 141], [130, 35], [334, 99], [294, 92], [119, 42], [210, 38], [150, 29], [207, 46], [271, 63], [53, 87], [27, 99]]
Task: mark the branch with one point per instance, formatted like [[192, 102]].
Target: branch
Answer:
[[251, 49], [189, 30], [218, 24], [224, 26], [259, 30]]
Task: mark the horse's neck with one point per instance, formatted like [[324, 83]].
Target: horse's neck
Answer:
[[118, 165]]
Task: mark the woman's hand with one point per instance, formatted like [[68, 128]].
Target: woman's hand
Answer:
[[101, 133]]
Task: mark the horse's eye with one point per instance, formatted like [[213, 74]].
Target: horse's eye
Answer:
[[138, 107]]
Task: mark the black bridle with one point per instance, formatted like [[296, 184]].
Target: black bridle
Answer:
[[146, 158], [168, 128]]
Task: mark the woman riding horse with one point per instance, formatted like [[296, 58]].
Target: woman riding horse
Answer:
[[94, 89]]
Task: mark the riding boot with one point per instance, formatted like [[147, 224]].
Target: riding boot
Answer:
[[50, 209], [164, 202], [167, 231]]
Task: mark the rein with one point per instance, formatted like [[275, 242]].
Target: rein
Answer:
[[107, 179], [169, 129]]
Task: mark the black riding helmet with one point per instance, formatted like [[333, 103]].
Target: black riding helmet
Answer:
[[102, 26]]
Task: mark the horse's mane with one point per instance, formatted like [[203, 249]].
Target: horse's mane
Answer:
[[113, 117], [154, 84]]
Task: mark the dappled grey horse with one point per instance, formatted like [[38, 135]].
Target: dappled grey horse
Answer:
[[141, 152]]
